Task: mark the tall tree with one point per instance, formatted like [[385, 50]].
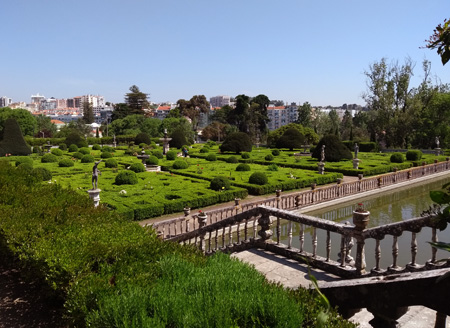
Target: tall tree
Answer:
[[334, 122], [44, 126], [121, 110], [346, 126], [440, 40], [88, 112], [26, 120], [136, 100], [304, 114], [193, 108]]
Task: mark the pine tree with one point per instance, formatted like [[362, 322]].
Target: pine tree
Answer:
[[13, 142]]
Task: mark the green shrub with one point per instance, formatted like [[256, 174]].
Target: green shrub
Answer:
[[397, 158], [66, 162], [96, 147], [85, 150], [158, 154], [25, 168], [106, 155], [413, 155], [77, 155], [243, 167], [276, 152], [137, 167], [23, 159], [87, 159], [142, 138], [236, 142], [335, 150], [108, 149], [111, 163], [49, 158], [245, 155], [56, 151], [73, 148], [63, 146], [126, 177], [204, 149], [269, 157], [171, 155], [291, 138], [211, 143], [258, 178], [152, 160], [220, 183], [42, 173], [232, 160], [76, 139], [179, 164], [272, 167], [211, 157], [179, 138]]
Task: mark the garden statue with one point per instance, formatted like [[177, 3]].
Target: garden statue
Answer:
[[95, 172], [356, 150], [322, 154], [437, 142]]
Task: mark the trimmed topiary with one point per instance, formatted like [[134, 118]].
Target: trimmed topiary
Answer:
[[152, 160], [291, 138], [126, 177], [272, 167], [171, 155], [73, 148], [65, 162], [77, 155], [25, 168], [232, 160], [179, 164], [24, 159], [237, 142], [179, 138], [269, 157], [220, 183], [243, 167], [204, 149], [245, 155], [142, 145], [142, 138], [211, 157], [56, 151], [275, 152], [158, 154], [76, 139], [49, 158], [258, 178], [106, 155], [96, 147], [62, 146], [111, 163], [13, 142], [397, 158], [87, 159], [42, 173], [137, 167], [335, 150], [108, 149], [413, 155], [85, 150]]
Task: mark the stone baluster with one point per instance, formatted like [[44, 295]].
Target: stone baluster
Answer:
[[343, 251], [394, 253], [314, 242], [187, 217], [434, 239], [301, 237], [230, 235], [255, 227], [223, 237], [202, 219], [209, 242], [361, 221], [289, 234], [246, 230], [265, 222], [413, 250], [328, 245], [279, 230], [216, 246], [377, 256]]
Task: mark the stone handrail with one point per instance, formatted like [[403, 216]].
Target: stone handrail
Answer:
[[253, 228], [173, 227]]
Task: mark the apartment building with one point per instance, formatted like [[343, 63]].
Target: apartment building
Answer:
[[281, 115], [5, 101], [220, 101]]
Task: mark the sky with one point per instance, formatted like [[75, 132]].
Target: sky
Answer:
[[290, 50]]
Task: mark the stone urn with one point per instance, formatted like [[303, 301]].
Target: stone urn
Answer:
[[278, 192], [361, 219]]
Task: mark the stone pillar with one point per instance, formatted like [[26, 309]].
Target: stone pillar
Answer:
[[437, 151], [202, 219], [265, 222], [356, 163], [94, 194], [237, 204], [321, 166], [278, 193], [187, 218], [361, 220]]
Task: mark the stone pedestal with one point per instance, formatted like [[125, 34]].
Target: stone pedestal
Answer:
[[361, 221], [321, 166], [94, 194], [356, 163], [437, 151], [153, 168], [143, 157], [165, 142]]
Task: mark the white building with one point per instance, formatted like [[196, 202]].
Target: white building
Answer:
[[220, 101], [281, 115], [5, 101]]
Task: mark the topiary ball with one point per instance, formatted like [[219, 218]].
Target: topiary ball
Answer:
[[63, 146], [245, 155], [137, 167], [77, 155], [107, 149], [204, 149], [106, 154], [85, 150], [413, 155], [272, 167], [232, 160], [126, 177], [24, 159], [152, 160], [220, 183], [73, 148], [49, 158], [65, 162], [211, 157], [269, 157], [42, 173], [158, 154], [397, 158], [171, 155], [111, 163], [25, 168], [87, 159], [56, 151], [243, 167], [275, 152], [96, 147], [179, 164], [258, 178]]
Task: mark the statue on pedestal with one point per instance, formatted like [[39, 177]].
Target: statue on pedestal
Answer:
[[356, 150], [322, 154], [95, 172]]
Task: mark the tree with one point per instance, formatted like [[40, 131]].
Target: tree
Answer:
[[27, 122], [215, 131], [77, 126], [440, 40], [88, 112], [179, 138], [128, 125], [120, 111], [151, 126], [346, 126], [13, 142], [172, 124], [334, 122], [335, 150], [308, 133], [194, 108], [304, 114], [136, 100], [237, 142], [291, 138], [44, 126]]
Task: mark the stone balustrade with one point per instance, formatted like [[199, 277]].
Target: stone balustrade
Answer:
[[173, 227], [261, 227]]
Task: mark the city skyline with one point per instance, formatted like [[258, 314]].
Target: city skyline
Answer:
[[295, 51]]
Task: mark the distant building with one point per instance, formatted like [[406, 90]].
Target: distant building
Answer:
[[162, 111], [220, 101], [37, 98], [5, 101]]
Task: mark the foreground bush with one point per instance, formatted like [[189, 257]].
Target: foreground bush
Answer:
[[111, 163], [396, 158], [87, 159], [56, 151], [258, 178], [49, 158], [137, 167], [179, 164], [23, 159], [126, 177], [73, 148], [42, 173], [66, 162], [243, 167], [152, 160], [171, 155], [413, 155], [211, 157], [220, 183], [236, 142]]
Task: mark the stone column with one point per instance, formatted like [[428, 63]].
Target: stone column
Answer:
[[321, 166], [187, 218], [94, 194], [202, 219], [360, 220]]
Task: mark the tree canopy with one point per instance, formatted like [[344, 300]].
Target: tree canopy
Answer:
[[440, 40], [27, 122], [136, 100]]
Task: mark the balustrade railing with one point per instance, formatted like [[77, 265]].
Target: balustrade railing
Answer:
[[316, 236], [173, 227]]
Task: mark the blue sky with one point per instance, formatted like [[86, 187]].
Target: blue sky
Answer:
[[292, 50]]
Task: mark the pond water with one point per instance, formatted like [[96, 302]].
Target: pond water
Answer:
[[391, 206]]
